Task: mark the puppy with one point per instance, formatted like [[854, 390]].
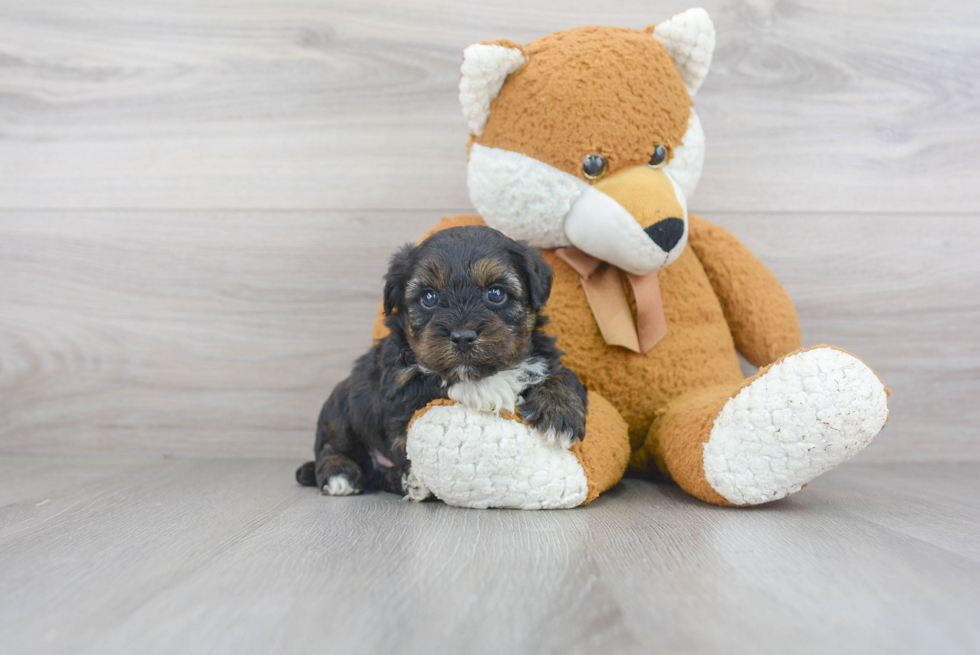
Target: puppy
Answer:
[[464, 314]]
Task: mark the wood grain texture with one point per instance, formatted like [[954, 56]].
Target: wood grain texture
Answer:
[[825, 106], [228, 556], [222, 332], [227, 179]]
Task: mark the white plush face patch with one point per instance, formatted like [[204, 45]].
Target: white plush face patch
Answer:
[[522, 197], [684, 169], [530, 200]]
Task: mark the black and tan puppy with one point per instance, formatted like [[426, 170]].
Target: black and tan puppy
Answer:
[[463, 310]]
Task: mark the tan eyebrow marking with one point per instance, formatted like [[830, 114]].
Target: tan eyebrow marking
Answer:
[[488, 270], [428, 275]]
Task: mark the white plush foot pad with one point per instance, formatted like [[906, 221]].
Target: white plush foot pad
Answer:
[[471, 459], [807, 414], [339, 485]]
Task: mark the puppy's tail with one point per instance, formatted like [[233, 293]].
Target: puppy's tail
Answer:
[[306, 475]]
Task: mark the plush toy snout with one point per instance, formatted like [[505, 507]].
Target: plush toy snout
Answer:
[[635, 219]]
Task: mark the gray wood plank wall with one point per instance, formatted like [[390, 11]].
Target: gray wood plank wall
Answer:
[[197, 199]]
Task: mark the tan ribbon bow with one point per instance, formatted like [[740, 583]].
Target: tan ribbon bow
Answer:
[[607, 298]]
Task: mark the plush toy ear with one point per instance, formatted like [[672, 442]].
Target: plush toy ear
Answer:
[[485, 67], [537, 274], [396, 278], [689, 37]]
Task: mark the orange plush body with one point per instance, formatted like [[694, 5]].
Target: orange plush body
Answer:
[[620, 101]]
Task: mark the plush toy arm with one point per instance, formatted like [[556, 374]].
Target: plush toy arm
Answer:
[[473, 459], [380, 330], [759, 312]]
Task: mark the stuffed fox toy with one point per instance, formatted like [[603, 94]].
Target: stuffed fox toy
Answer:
[[585, 144]]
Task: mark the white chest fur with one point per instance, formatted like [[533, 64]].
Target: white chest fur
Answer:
[[501, 391]]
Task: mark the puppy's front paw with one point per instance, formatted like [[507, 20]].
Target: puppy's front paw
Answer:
[[558, 416]]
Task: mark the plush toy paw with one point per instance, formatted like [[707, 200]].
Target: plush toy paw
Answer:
[[805, 415], [480, 460], [414, 488]]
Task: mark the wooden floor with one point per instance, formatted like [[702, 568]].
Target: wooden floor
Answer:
[[147, 555]]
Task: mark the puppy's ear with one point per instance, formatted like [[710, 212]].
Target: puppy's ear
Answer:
[[399, 269], [536, 272]]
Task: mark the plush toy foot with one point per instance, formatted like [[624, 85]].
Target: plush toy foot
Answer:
[[805, 415], [472, 459], [768, 437]]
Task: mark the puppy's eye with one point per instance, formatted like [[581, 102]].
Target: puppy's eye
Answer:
[[496, 296], [659, 156], [593, 166], [429, 299]]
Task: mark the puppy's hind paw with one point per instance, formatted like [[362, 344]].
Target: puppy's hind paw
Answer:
[[306, 474], [339, 485], [414, 488]]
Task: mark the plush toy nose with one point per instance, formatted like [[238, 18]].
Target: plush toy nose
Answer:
[[463, 339], [666, 233]]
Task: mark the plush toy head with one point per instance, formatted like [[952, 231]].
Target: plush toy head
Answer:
[[587, 137]]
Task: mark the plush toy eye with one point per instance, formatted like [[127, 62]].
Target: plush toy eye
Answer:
[[659, 156], [430, 299], [496, 296], [593, 166]]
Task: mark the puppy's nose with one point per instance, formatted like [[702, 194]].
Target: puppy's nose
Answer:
[[463, 339], [666, 233]]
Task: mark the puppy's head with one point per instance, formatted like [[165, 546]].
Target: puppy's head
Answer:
[[468, 300]]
